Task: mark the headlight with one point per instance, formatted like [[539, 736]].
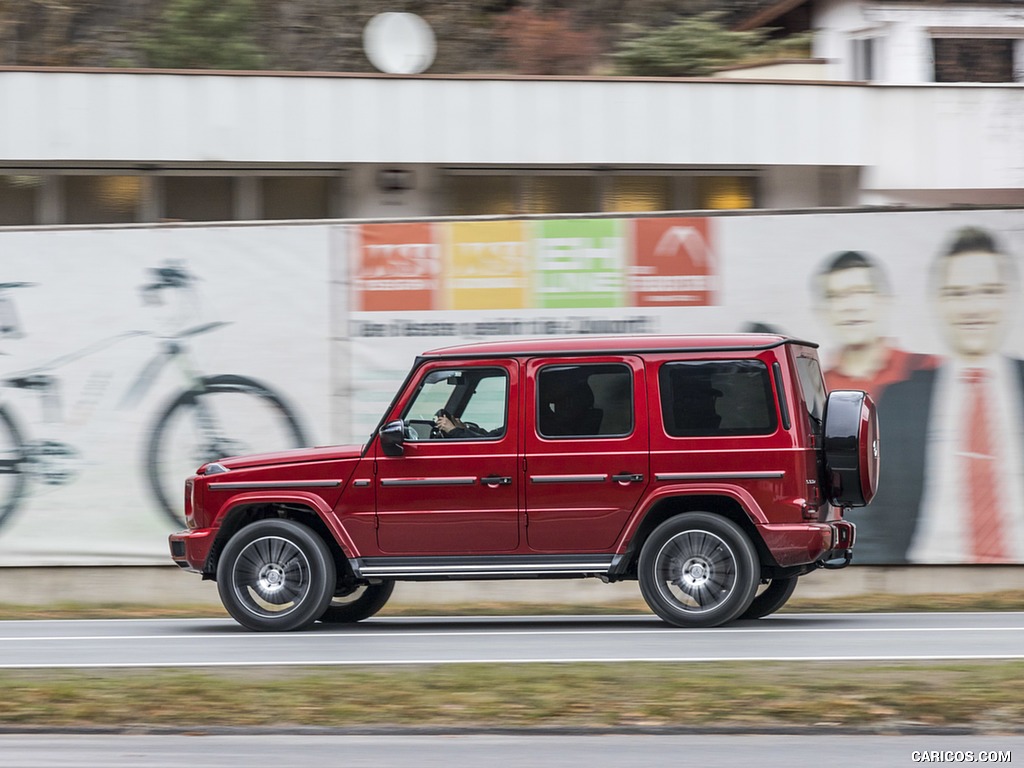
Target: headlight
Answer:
[[190, 486]]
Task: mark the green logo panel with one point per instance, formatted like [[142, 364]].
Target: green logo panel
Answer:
[[579, 264]]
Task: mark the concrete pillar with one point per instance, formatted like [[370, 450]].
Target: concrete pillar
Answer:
[[50, 207], [247, 203], [151, 206]]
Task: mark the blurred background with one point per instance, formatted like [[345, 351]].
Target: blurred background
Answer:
[[283, 202]]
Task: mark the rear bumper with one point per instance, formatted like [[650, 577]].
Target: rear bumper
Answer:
[[809, 543], [190, 549]]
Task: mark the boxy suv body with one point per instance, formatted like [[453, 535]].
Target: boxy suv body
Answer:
[[713, 469]]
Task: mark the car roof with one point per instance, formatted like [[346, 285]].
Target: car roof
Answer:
[[595, 345]]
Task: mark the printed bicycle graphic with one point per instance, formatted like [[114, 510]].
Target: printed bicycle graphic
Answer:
[[209, 417]]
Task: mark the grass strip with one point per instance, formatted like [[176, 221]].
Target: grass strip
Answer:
[[981, 695]]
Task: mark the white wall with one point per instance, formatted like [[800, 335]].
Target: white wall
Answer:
[[149, 117], [935, 138]]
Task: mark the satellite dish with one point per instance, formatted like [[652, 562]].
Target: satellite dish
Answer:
[[399, 43]]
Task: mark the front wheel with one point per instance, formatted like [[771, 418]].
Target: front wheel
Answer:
[[275, 576], [771, 598], [223, 416], [361, 603], [698, 570]]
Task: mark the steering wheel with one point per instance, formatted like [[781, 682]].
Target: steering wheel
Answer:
[[436, 434]]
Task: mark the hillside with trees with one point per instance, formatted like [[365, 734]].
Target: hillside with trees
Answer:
[[525, 37]]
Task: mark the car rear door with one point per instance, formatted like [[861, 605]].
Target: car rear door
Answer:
[[585, 450]]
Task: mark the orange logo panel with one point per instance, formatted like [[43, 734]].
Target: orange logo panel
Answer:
[[395, 267], [674, 263]]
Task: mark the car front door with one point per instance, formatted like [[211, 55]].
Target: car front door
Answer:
[[457, 494], [586, 451]]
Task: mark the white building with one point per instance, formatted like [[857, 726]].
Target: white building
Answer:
[[908, 41]]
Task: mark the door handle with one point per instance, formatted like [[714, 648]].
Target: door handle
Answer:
[[494, 481], [627, 477]]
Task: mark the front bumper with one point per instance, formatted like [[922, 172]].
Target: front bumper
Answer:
[[190, 549]]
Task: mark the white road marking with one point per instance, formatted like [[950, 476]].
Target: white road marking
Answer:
[[300, 636], [581, 660]]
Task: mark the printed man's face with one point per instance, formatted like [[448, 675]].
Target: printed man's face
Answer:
[[853, 305], [973, 296]]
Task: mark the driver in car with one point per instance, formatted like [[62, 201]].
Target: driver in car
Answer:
[[453, 426]]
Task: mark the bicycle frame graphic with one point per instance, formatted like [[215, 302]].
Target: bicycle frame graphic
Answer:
[[209, 417]]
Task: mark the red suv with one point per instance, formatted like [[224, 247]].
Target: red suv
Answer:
[[713, 469]]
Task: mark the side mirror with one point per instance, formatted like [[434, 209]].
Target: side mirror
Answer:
[[392, 438]]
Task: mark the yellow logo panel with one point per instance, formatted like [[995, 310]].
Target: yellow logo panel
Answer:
[[488, 265]]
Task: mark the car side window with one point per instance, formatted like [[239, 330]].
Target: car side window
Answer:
[[812, 385], [593, 400], [721, 397], [472, 400]]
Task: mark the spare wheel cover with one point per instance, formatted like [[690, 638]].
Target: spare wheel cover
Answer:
[[851, 448]]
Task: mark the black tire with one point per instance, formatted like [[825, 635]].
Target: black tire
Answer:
[[361, 603], [275, 576], [770, 599], [12, 471], [166, 470], [698, 570], [851, 448]]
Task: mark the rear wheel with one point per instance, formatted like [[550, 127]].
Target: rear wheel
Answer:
[[275, 576], [222, 416], [698, 570], [12, 465], [361, 603], [771, 598]]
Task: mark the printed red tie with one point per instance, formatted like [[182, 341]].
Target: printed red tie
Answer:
[[986, 529]]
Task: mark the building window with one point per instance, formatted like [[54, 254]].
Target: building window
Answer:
[[973, 60], [18, 195], [725, 192], [637, 194], [473, 195], [511, 194], [296, 197], [198, 198], [559, 194], [102, 199]]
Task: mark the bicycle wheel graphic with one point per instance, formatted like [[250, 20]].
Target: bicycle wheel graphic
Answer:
[[226, 416], [12, 473]]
